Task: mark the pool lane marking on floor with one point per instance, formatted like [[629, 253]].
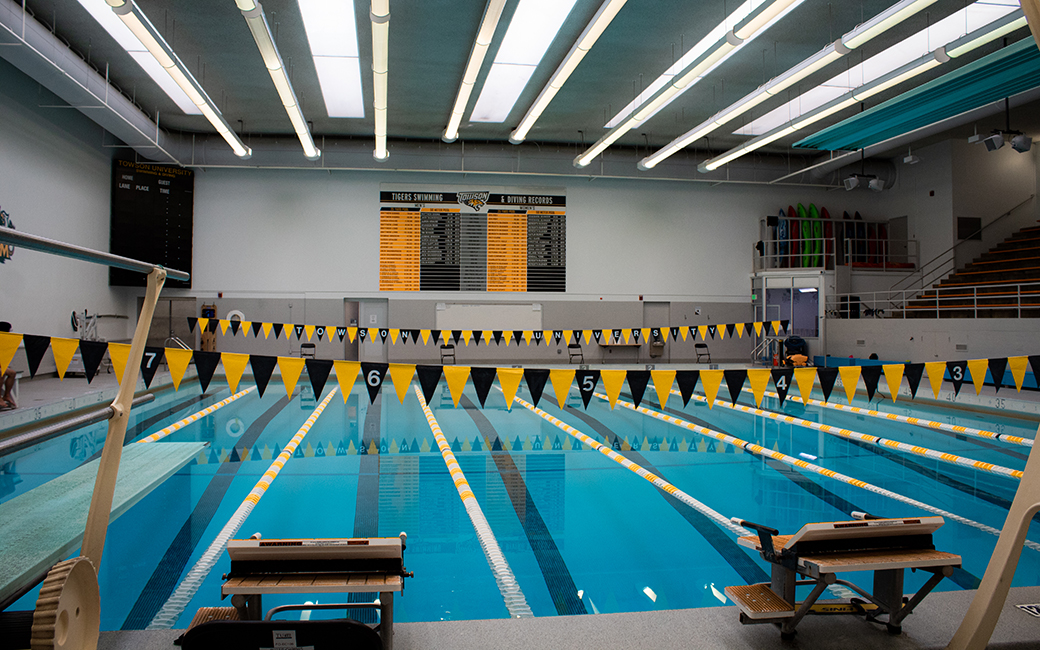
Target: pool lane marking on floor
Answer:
[[366, 504], [515, 601], [173, 608], [944, 457], [180, 424], [823, 471], [734, 554], [717, 517], [169, 569], [920, 422], [550, 561]]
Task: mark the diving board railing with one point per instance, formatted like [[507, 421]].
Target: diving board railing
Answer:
[[68, 609]]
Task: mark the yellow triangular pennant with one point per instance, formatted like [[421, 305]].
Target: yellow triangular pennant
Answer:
[[645, 333], [509, 380], [488, 336], [606, 336], [425, 335], [740, 330], [684, 331], [466, 336], [703, 331], [1018, 370], [587, 334], [445, 337], [346, 375], [758, 328], [373, 335], [246, 325], [203, 322], [8, 346], [224, 323], [265, 327], [721, 329], [978, 368], [711, 380], [178, 360], [805, 378], [234, 366], [401, 375], [394, 333], [352, 333], [567, 336], [507, 336], [528, 335], [936, 370], [776, 327], [613, 380], [119, 353], [290, 368], [456, 377], [850, 380], [663, 380], [63, 350], [309, 331], [561, 382], [546, 336], [759, 379], [625, 333], [894, 377]]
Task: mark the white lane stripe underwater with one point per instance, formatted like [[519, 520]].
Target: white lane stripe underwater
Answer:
[[516, 602], [180, 424], [174, 606]]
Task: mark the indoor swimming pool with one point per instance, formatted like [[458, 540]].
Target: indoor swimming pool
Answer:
[[581, 533]]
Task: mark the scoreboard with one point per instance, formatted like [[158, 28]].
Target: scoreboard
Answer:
[[472, 241]]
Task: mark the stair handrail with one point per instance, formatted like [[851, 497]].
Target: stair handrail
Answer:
[[920, 275]]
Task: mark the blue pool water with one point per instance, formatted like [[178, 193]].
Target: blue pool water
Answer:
[[581, 533]]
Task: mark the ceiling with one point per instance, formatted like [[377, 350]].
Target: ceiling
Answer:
[[430, 43]]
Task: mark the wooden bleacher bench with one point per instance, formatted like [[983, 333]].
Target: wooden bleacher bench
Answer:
[[819, 551]]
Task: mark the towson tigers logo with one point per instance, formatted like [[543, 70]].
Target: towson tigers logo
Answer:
[[6, 250], [475, 200]]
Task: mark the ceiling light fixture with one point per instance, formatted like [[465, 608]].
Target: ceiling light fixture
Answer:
[[331, 28], [606, 13], [142, 28], [492, 13], [261, 31], [910, 158], [380, 13]]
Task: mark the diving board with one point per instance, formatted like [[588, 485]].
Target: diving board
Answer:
[[46, 524]]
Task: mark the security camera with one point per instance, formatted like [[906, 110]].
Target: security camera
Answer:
[[1021, 143], [995, 141], [851, 183]]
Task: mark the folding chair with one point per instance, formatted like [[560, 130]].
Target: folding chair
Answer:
[[574, 351], [447, 352], [307, 350], [702, 352]]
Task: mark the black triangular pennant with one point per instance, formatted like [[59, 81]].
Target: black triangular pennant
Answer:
[[205, 365], [213, 325], [537, 336], [429, 377], [277, 330], [298, 330], [320, 331], [93, 352], [782, 382], [997, 367], [362, 334], [257, 326], [686, 380], [373, 374], [655, 333], [497, 335], [587, 380], [711, 330], [735, 381], [637, 381], [871, 375], [235, 326], [597, 334], [263, 367], [558, 336], [1034, 365], [784, 324], [536, 379], [958, 371], [615, 335], [827, 378], [383, 334], [518, 335], [435, 336], [456, 335], [730, 328], [415, 336], [478, 336], [35, 347], [150, 361], [635, 335], [913, 373], [192, 322], [340, 333], [405, 335], [675, 333], [749, 328], [318, 371], [482, 378]]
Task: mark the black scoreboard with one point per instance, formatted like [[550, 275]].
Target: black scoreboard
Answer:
[[152, 219]]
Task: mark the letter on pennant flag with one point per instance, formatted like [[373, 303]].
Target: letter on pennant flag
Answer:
[[935, 370], [383, 334], [234, 365], [483, 380], [536, 378], [1018, 370], [997, 368], [429, 377], [320, 331], [509, 380], [340, 333], [318, 372], [63, 350], [205, 365], [913, 373], [782, 378], [401, 376], [827, 377], [561, 382], [587, 380], [263, 367], [456, 377], [711, 380], [178, 360], [613, 380], [978, 368], [759, 380], [346, 375], [850, 380], [687, 381], [637, 381], [373, 374], [663, 380], [805, 378], [291, 367], [150, 361], [894, 377], [118, 353], [958, 373]]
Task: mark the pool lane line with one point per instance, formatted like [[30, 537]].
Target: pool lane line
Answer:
[[758, 450], [180, 424], [149, 421], [169, 569], [558, 578], [175, 604], [927, 424], [513, 596], [952, 459], [726, 546], [659, 482]]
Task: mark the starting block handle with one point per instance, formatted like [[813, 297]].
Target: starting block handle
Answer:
[[765, 536]]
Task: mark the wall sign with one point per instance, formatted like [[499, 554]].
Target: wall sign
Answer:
[[6, 250], [472, 240]]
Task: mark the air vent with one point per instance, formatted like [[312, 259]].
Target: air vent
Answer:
[[961, 347], [861, 342]]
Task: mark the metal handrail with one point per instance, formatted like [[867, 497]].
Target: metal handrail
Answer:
[[880, 301], [45, 433]]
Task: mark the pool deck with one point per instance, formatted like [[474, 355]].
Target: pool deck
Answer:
[[931, 626]]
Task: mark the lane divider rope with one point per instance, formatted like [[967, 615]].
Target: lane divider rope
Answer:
[[159, 435], [797, 462], [516, 602], [717, 517], [920, 422], [174, 606], [867, 438]]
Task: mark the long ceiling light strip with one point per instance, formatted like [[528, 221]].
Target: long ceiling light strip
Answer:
[[488, 25], [961, 46], [839, 48], [331, 28], [380, 14], [261, 31], [606, 13], [749, 27], [142, 28]]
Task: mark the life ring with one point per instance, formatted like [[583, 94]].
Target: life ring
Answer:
[[235, 427], [235, 314]]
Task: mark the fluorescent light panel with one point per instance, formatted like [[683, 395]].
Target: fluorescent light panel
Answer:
[[530, 33], [332, 35], [380, 15], [488, 25]]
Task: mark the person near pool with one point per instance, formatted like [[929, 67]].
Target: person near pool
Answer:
[[6, 400]]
